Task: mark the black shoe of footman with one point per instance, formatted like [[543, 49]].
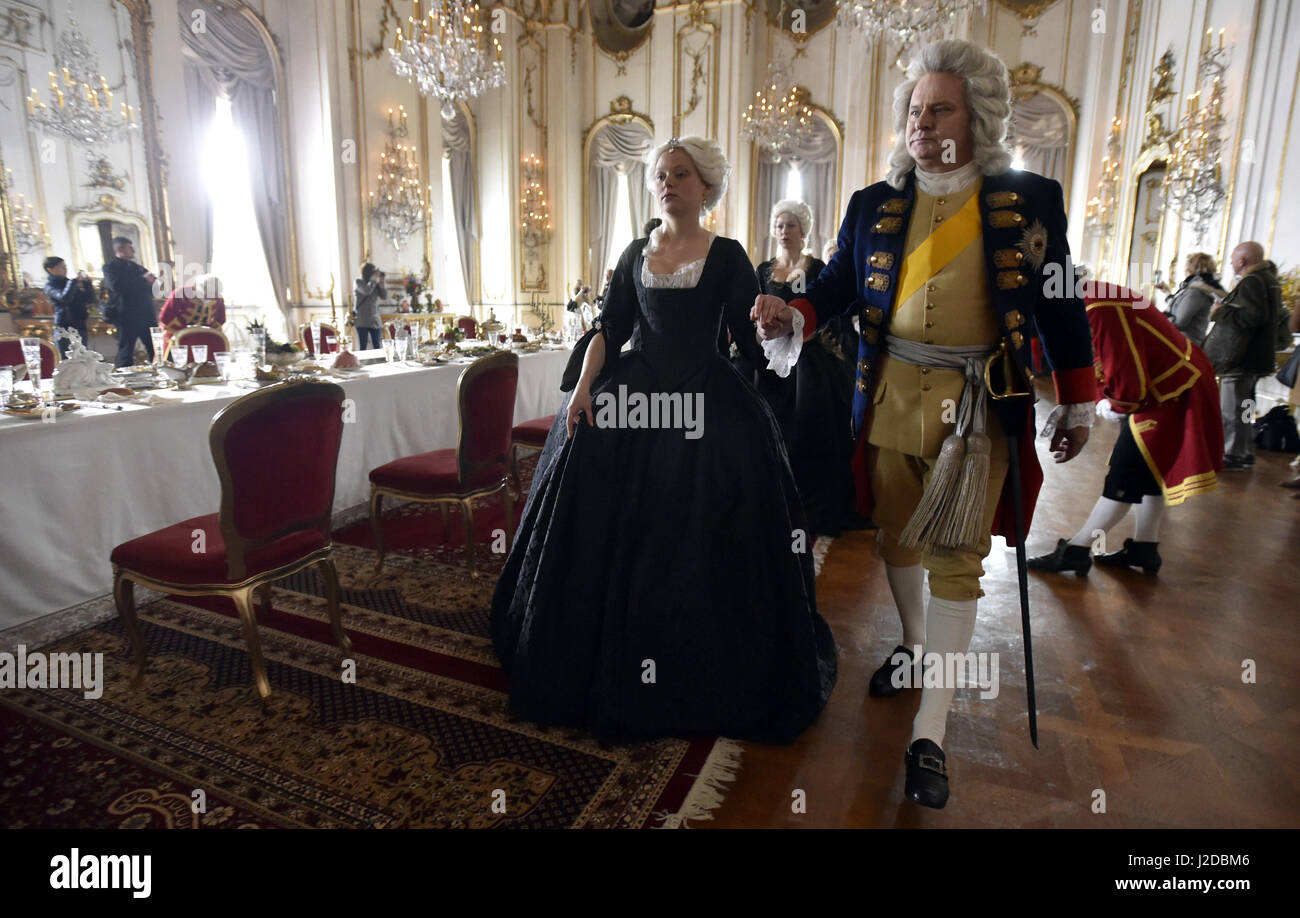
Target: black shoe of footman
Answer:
[[1067, 557], [1134, 554], [927, 778], [882, 680]]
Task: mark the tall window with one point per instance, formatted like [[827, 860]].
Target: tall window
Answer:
[[624, 231], [455, 289], [237, 254], [793, 184]]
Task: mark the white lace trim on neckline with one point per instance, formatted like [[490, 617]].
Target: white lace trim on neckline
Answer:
[[686, 276]]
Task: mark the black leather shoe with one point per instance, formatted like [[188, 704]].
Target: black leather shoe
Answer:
[[1134, 554], [927, 778], [882, 680], [1067, 557]]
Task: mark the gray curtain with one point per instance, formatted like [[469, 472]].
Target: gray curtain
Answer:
[[200, 98], [1040, 127], [816, 159], [617, 150], [458, 149], [231, 58]]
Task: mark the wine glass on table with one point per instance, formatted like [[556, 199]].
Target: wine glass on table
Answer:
[[259, 345], [314, 344], [390, 348], [200, 353], [223, 364], [6, 385], [180, 354], [403, 343], [32, 357], [156, 337]]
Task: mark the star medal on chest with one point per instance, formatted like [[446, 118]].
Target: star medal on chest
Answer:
[[1033, 244]]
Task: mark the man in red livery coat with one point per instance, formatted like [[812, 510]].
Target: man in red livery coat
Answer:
[[1161, 386], [199, 303], [948, 263]]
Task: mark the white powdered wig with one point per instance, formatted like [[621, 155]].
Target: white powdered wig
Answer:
[[797, 209], [207, 286], [710, 162], [988, 96]]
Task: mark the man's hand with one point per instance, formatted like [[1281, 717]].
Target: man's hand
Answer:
[[149, 276], [1066, 444], [772, 315]]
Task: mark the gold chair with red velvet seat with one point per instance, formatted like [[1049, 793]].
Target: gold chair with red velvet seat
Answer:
[[11, 354], [468, 325], [530, 435], [276, 452], [213, 338], [476, 467], [331, 338]]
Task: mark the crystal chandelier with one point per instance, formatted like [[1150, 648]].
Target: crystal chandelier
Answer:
[[1194, 183], [445, 54], [82, 102], [904, 22], [779, 118], [397, 206]]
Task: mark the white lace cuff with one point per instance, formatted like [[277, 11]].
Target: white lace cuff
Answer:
[[783, 353], [1067, 416]]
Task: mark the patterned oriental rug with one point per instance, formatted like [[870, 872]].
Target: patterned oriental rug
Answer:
[[422, 739]]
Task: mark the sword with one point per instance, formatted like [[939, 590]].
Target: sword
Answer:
[[1017, 509]]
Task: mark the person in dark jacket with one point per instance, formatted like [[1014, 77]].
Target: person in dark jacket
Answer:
[[130, 301], [1189, 307], [370, 292], [1252, 310], [71, 298]]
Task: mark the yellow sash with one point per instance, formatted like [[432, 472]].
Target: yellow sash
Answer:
[[939, 248]]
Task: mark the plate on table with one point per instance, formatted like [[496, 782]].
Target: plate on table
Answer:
[[38, 412]]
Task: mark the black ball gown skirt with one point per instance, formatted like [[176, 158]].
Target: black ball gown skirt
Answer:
[[662, 585]]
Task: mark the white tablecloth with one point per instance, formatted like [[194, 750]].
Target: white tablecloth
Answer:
[[77, 487]]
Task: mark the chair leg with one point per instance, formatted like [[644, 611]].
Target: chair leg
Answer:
[[467, 510], [124, 598], [244, 603], [446, 521], [330, 575], [377, 527], [512, 466]]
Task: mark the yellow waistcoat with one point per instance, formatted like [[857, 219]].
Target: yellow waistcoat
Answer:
[[952, 308]]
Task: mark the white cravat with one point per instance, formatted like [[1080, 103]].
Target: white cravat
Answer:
[[948, 182]]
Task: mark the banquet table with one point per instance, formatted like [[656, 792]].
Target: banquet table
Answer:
[[95, 477]]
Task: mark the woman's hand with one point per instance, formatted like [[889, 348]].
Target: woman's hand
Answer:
[[579, 405], [772, 315]]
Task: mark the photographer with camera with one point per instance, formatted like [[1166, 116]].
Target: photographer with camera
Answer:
[[71, 298]]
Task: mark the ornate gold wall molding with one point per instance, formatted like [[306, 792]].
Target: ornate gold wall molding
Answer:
[[1027, 82], [620, 112], [695, 71]]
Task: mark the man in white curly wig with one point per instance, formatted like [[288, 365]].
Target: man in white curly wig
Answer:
[[949, 262]]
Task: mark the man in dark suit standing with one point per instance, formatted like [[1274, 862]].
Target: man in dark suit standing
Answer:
[[954, 263], [70, 297], [130, 301]]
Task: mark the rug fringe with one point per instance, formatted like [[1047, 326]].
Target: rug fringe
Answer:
[[709, 789]]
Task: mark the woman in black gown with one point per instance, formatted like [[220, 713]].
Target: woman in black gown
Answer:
[[661, 581], [813, 405]]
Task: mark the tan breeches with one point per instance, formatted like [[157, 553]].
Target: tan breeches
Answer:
[[897, 482]]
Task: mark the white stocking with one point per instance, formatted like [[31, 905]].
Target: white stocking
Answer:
[[949, 625], [1149, 514], [908, 586], [1105, 514]]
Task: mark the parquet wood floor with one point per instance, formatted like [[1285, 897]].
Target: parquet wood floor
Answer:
[[1139, 679]]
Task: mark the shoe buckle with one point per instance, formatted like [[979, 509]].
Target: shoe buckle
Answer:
[[931, 763]]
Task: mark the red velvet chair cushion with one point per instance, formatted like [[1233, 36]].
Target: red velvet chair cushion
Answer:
[[533, 432], [433, 473], [168, 554], [282, 461], [214, 340], [468, 326], [331, 339]]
